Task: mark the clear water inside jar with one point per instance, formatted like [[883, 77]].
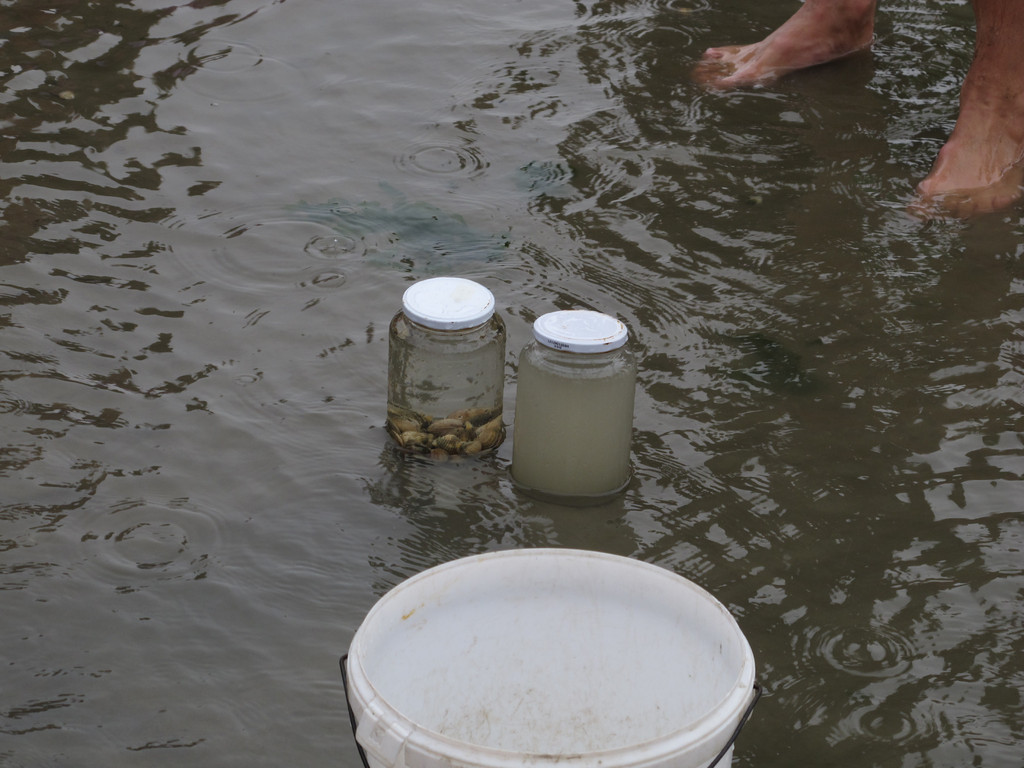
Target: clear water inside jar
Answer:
[[446, 387]]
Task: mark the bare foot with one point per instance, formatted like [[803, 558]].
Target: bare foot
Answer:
[[941, 195], [820, 31]]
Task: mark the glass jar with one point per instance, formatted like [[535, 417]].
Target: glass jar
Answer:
[[446, 369], [573, 424]]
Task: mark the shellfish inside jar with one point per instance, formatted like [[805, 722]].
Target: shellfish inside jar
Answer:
[[446, 369]]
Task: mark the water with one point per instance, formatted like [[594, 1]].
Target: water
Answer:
[[210, 212]]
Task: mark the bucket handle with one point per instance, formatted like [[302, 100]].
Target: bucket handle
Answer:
[[351, 714], [758, 690]]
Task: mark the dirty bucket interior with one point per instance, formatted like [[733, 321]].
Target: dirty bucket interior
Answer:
[[551, 652]]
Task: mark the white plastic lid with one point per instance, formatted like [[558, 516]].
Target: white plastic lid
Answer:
[[580, 330], [448, 303]]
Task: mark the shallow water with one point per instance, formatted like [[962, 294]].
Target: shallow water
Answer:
[[210, 211]]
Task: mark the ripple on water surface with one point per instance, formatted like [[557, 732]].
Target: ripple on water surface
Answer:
[[136, 544], [227, 70], [460, 159], [888, 724], [265, 248], [13, 405], [876, 666], [863, 651], [323, 245]]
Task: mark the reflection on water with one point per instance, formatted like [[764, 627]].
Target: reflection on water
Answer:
[[210, 211]]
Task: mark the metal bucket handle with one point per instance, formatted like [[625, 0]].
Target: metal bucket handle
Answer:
[[758, 690], [351, 714]]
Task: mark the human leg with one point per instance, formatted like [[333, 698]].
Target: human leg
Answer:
[[981, 166], [820, 31]]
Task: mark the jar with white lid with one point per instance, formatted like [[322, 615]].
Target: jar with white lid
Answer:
[[446, 369], [573, 424]]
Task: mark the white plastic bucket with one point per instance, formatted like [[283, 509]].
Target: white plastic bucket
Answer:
[[538, 657]]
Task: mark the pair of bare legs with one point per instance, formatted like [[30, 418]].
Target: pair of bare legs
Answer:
[[981, 166]]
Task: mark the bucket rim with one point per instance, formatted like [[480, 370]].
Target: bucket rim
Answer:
[[696, 737]]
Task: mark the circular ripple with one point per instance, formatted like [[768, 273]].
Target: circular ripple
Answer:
[[137, 543], [225, 56], [684, 7], [331, 246], [266, 248], [863, 651], [666, 37], [893, 725], [11, 405], [463, 160], [889, 724], [248, 379], [233, 71]]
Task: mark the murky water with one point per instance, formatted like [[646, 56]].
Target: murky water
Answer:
[[210, 211]]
